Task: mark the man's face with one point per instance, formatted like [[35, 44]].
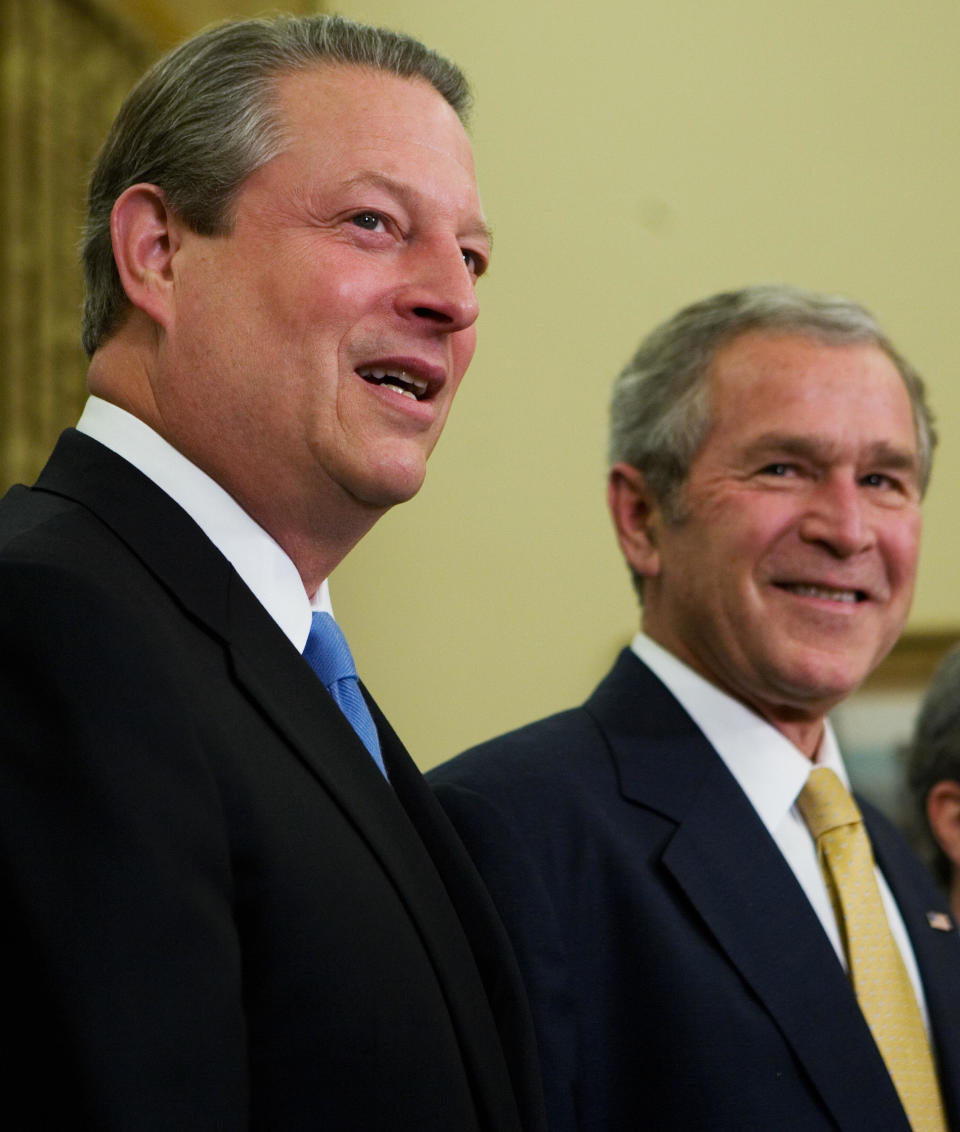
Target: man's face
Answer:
[[790, 572], [315, 350]]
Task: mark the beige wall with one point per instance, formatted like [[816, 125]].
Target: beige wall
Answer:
[[634, 156]]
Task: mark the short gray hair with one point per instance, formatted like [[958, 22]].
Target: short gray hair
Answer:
[[204, 118], [934, 754]]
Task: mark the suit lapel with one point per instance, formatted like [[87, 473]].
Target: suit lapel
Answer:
[[733, 874], [752, 904]]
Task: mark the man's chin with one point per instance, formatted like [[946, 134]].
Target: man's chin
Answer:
[[397, 484], [822, 681]]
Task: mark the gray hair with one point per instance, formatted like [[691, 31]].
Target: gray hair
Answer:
[[204, 118], [660, 408], [934, 753]]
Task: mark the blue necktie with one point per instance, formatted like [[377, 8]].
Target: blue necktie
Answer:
[[328, 654]]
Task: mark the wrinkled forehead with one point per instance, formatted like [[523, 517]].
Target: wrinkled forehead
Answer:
[[784, 363], [762, 383], [341, 121]]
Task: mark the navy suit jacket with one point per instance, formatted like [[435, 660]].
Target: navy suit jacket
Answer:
[[678, 975], [217, 913]]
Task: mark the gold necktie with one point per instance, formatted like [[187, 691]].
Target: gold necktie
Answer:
[[880, 979]]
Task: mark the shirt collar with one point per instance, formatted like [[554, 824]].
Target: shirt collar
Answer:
[[770, 770], [258, 559]]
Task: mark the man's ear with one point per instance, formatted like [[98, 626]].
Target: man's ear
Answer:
[[146, 236], [635, 514], [943, 814]]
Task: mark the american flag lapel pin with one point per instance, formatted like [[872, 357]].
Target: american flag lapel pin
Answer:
[[940, 921]]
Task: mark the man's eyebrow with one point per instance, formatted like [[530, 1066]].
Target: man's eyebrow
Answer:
[[881, 452], [478, 227]]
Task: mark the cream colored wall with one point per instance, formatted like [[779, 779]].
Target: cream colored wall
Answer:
[[634, 156]]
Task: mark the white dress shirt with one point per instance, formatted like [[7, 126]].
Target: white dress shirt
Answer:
[[260, 561], [771, 771]]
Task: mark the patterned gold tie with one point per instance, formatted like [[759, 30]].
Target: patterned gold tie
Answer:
[[879, 977]]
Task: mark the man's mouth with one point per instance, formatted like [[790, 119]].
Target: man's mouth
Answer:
[[826, 593], [398, 380]]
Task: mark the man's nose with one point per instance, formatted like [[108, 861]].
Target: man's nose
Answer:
[[838, 516], [440, 287]]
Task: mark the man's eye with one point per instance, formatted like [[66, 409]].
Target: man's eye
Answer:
[[370, 221], [777, 470], [476, 265], [877, 479]]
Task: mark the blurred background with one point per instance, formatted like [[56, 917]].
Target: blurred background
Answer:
[[633, 156]]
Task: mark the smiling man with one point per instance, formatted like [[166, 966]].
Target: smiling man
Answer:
[[230, 900], [710, 937]]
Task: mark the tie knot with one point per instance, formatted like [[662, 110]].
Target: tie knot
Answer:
[[327, 651], [826, 803]]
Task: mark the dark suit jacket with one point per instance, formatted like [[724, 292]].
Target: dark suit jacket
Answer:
[[678, 975], [217, 913]]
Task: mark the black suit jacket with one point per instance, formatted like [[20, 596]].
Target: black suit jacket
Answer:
[[217, 913], [678, 975]]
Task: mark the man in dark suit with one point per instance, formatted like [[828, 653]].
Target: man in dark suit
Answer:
[[230, 901], [691, 945]]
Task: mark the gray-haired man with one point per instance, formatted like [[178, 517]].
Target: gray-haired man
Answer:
[[686, 880], [229, 900]]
